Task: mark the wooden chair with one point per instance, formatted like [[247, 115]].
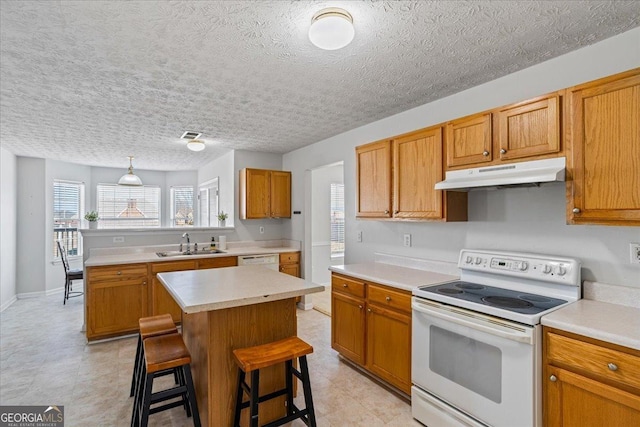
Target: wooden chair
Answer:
[[70, 275]]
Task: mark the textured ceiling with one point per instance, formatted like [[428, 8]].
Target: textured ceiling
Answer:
[[92, 82]]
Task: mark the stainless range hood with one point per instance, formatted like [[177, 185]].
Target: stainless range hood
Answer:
[[507, 175]]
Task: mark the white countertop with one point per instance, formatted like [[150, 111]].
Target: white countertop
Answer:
[[219, 288], [614, 323], [151, 256], [392, 275]]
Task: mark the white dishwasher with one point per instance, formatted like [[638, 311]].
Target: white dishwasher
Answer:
[[271, 261]]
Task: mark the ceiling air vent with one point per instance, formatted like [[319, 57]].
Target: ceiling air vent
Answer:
[[190, 135]]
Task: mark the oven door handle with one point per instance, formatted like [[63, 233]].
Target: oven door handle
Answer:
[[499, 329]]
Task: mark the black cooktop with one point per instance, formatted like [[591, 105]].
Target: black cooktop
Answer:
[[519, 302]]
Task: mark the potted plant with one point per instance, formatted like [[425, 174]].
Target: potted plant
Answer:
[[222, 218], [92, 217]]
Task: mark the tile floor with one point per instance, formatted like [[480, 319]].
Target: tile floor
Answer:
[[44, 360], [322, 300]]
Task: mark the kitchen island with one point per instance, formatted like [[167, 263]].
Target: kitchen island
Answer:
[[229, 308]]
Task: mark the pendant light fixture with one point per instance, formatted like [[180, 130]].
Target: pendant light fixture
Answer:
[[196, 145], [331, 28], [129, 178]]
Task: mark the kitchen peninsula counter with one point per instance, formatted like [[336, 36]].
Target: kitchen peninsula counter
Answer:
[[229, 308]]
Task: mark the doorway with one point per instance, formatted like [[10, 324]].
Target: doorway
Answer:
[[327, 229]]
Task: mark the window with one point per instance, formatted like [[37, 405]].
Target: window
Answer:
[[181, 206], [120, 206], [68, 208], [337, 220], [208, 203]]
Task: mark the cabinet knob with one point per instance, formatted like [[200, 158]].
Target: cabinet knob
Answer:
[[119, 273], [388, 299], [576, 210], [360, 307], [503, 151], [144, 283], [485, 153], [396, 212], [386, 212], [612, 366], [553, 378], [369, 310], [344, 285]]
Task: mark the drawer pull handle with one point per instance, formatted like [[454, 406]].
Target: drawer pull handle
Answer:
[[612, 366], [553, 378], [388, 299], [344, 285]]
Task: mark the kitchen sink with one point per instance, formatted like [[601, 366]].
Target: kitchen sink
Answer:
[[169, 254]]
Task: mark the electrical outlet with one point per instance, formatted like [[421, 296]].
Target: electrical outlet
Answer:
[[359, 236], [119, 239], [634, 253], [261, 230], [407, 240]]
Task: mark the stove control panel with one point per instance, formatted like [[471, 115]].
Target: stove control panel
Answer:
[[531, 266]]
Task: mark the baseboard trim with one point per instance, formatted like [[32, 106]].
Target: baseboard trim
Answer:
[[25, 295], [7, 304], [54, 291], [305, 305]]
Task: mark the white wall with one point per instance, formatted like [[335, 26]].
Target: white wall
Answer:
[[321, 180], [222, 168], [512, 219], [8, 211]]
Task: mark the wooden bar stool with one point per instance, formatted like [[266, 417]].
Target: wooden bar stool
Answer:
[[153, 326], [252, 359], [162, 354]]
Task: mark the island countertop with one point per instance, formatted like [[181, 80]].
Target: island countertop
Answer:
[[214, 289]]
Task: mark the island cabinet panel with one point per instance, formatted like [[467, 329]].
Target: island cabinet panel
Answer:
[[604, 139], [161, 301], [589, 383], [373, 174], [371, 326], [469, 141], [265, 194], [117, 296]]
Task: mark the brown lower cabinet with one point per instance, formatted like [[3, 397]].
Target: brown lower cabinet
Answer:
[[118, 295], [589, 383], [371, 326], [290, 263]]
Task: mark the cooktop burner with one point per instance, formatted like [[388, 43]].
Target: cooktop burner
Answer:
[[519, 302]]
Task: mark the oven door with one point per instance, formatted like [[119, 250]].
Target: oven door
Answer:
[[484, 366]]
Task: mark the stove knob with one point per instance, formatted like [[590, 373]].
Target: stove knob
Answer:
[[478, 260], [524, 265], [561, 270], [547, 269], [469, 260]]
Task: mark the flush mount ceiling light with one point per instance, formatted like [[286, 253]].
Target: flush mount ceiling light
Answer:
[[196, 145], [129, 178], [331, 28]]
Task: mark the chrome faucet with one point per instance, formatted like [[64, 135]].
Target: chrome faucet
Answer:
[[188, 244]]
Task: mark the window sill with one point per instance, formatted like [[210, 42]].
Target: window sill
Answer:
[[71, 259], [107, 232]]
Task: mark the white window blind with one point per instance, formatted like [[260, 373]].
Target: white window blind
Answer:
[[68, 211], [182, 206], [121, 206], [337, 219]]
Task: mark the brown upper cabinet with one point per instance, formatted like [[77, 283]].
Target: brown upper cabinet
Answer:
[[396, 179], [265, 194], [604, 139], [527, 130]]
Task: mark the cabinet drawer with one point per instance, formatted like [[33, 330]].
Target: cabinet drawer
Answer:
[[120, 272], [389, 298], [604, 362], [218, 262], [161, 267], [290, 258], [347, 285]]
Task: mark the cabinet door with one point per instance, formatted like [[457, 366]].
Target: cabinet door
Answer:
[[348, 327], [161, 300], [417, 167], [605, 142], [373, 187], [115, 306], [389, 346], [469, 141], [575, 401], [254, 193], [218, 262], [529, 130], [280, 194], [291, 269]]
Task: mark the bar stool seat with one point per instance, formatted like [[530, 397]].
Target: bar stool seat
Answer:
[[152, 326], [162, 354], [252, 359]]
